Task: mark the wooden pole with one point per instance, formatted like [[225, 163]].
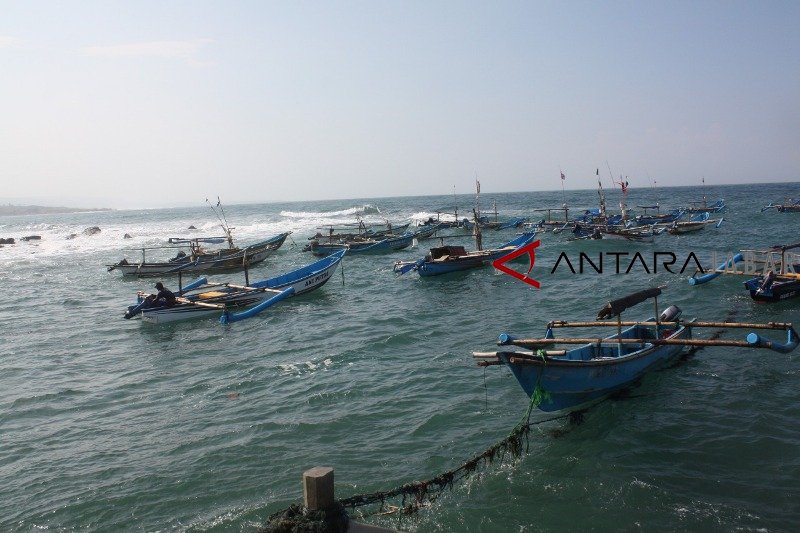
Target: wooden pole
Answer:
[[696, 324], [318, 488], [532, 343]]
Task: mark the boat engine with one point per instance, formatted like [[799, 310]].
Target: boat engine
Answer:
[[670, 314]]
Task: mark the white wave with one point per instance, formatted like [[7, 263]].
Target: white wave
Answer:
[[366, 209]]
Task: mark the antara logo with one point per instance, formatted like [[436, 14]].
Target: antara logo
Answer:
[[529, 249]]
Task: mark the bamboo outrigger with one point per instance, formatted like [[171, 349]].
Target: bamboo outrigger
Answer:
[[775, 272], [566, 379]]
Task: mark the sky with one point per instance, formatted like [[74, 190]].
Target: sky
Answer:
[[155, 104]]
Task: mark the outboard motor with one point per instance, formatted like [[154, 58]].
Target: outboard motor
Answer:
[[670, 314]]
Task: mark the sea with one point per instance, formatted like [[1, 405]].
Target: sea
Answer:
[[109, 424]]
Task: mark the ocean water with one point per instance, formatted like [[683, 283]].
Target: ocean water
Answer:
[[109, 424]]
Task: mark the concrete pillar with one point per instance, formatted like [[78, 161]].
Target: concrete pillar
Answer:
[[318, 488]]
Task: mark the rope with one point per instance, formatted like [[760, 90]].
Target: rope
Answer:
[[419, 494]]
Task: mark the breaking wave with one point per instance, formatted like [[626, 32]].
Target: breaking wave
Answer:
[[364, 210]]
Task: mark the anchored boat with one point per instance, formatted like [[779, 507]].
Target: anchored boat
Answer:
[[200, 260], [775, 273], [566, 379], [232, 302]]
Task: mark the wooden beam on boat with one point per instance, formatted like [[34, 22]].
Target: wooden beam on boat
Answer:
[[200, 304], [533, 343], [696, 324], [247, 288], [491, 355]]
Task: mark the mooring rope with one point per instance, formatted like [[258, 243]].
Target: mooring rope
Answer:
[[416, 495], [413, 495]]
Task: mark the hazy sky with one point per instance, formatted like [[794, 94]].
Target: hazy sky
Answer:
[[145, 104]]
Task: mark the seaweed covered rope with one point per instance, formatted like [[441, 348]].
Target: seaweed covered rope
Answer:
[[412, 496]]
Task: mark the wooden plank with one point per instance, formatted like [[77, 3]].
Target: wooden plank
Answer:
[[199, 304], [696, 324], [531, 343]]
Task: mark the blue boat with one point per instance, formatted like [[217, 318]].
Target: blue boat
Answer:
[[365, 246], [791, 205], [778, 281], [447, 259], [232, 302], [649, 219], [703, 207], [569, 379]]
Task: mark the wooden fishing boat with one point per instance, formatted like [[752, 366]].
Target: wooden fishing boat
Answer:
[[774, 273], [571, 378], [365, 246], [643, 235], [446, 259], [647, 219], [703, 206], [198, 259], [441, 223], [232, 302], [791, 205], [697, 223], [426, 231]]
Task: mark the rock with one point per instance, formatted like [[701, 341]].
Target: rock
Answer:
[[192, 227], [32, 238], [9, 240], [72, 235], [91, 231], [127, 236]]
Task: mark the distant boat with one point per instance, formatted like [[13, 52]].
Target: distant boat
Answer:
[[198, 259], [447, 259], [703, 207], [365, 246], [697, 223], [791, 205]]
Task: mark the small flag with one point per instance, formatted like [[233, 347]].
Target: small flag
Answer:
[[597, 172], [478, 186], [562, 176]]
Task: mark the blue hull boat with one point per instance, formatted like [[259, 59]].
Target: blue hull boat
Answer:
[[231, 303], [595, 370], [569, 379], [369, 246], [447, 259]]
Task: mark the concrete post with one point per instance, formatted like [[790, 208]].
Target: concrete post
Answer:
[[318, 488]]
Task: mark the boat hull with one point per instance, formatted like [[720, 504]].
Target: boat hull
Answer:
[[367, 247], [223, 261], [579, 377], [780, 290], [302, 280]]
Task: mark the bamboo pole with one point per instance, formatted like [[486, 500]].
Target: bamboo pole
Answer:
[[200, 304], [532, 343], [698, 324]]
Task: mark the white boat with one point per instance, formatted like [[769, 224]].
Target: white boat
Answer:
[[232, 302]]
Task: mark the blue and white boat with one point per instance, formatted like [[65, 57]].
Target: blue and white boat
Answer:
[[446, 259], [232, 302], [570, 379], [365, 246]]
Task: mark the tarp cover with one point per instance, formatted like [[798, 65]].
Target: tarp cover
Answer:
[[615, 307]]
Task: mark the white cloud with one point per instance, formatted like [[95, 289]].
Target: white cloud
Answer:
[[181, 50]]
